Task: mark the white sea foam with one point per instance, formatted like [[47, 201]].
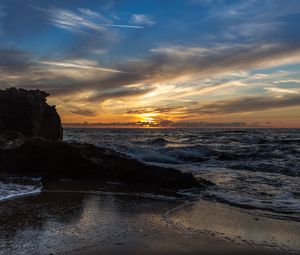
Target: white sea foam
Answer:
[[15, 187]]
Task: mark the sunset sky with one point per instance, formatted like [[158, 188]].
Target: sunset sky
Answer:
[[178, 63]]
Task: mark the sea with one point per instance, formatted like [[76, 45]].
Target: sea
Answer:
[[257, 169]]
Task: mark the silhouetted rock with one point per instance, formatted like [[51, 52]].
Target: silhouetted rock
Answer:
[[30, 131], [59, 160], [27, 112], [10, 139]]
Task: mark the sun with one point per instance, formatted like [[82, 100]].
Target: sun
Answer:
[[148, 119]]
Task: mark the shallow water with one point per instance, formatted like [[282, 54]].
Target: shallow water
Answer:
[[64, 222], [19, 186], [253, 168]]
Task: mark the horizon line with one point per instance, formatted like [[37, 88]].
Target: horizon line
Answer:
[[108, 126]]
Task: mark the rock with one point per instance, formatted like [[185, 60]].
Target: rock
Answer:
[[10, 139], [60, 160], [30, 145], [27, 112]]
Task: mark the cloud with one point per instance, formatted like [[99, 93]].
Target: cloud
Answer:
[[123, 26], [205, 2], [92, 14], [282, 90], [288, 81], [83, 111], [141, 19], [176, 65], [13, 60], [249, 20], [247, 104], [253, 30], [90, 31], [163, 65], [217, 87], [143, 110], [104, 21], [86, 30], [81, 64], [171, 63], [72, 21], [81, 21], [89, 67], [118, 93]]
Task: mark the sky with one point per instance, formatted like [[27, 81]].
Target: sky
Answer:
[[157, 63]]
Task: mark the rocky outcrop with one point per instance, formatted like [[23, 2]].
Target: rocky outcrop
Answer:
[[27, 112], [59, 160], [30, 134]]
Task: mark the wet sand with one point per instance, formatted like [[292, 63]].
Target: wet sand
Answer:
[[69, 222]]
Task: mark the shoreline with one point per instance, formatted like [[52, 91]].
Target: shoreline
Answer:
[[90, 223]]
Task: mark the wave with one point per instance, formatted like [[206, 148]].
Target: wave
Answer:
[[19, 186], [251, 157], [279, 211], [289, 141], [173, 155], [258, 159], [160, 141], [269, 167], [274, 193]]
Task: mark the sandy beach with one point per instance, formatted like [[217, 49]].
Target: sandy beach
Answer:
[[89, 222]]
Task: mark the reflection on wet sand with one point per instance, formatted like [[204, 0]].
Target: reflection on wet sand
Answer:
[[82, 223], [237, 225], [55, 222]]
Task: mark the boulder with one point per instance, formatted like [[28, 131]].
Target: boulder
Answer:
[[61, 160], [27, 112]]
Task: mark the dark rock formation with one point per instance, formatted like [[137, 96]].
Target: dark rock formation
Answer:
[[58, 160], [27, 112], [30, 131]]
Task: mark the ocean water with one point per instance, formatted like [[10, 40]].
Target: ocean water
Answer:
[[252, 168], [257, 169], [19, 186]]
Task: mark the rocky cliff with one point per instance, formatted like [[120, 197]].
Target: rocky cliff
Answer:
[[27, 112]]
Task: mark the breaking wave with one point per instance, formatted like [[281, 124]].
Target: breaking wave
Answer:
[[254, 168]]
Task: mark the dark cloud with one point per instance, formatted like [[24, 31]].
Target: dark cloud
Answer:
[[100, 124], [248, 104], [151, 110], [118, 93], [84, 112], [13, 60]]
